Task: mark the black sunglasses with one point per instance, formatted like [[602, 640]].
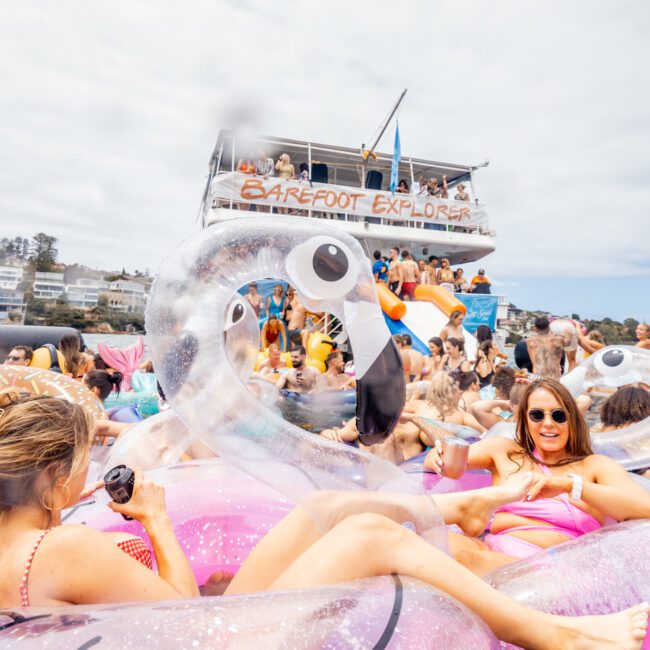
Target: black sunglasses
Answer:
[[12, 358], [537, 415]]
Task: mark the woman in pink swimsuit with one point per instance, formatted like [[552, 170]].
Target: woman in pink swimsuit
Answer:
[[573, 493], [44, 445]]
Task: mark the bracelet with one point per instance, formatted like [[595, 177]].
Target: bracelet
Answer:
[[576, 489]]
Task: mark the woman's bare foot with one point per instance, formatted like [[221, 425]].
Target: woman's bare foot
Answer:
[[477, 510], [625, 630], [217, 583]]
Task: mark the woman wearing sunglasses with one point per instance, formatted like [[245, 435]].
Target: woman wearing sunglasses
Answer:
[[574, 490]]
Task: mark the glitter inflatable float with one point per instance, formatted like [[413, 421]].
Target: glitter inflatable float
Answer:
[[609, 368]]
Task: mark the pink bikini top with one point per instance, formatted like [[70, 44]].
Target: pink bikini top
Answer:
[[562, 515], [133, 546]]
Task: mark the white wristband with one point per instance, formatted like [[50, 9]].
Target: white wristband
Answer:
[[576, 489]]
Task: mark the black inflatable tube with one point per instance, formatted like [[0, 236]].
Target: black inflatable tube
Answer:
[[33, 335]]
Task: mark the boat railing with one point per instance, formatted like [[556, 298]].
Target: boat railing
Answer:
[[234, 191]]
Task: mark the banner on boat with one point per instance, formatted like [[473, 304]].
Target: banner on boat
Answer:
[[324, 197]]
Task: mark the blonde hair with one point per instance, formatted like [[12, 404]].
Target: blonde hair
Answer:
[[38, 436], [443, 393]]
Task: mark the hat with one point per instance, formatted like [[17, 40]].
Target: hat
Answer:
[[481, 271]]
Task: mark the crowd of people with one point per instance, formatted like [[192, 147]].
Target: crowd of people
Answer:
[[402, 274], [548, 487]]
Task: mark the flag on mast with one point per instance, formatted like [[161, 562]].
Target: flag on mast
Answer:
[[397, 156]]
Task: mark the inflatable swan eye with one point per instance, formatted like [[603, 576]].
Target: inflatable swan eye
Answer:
[[236, 313], [322, 267], [614, 362]]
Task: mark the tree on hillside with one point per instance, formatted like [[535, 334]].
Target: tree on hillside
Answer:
[[43, 252]]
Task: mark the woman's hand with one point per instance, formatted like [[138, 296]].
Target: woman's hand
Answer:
[[547, 487], [147, 503], [90, 488], [434, 460]]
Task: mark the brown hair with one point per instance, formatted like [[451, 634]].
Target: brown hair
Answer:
[[39, 436], [626, 406], [503, 381], [579, 442], [29, 352], [454, 315], [70, 348]]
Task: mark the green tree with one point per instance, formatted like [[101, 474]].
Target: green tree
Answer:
[[43, 252]]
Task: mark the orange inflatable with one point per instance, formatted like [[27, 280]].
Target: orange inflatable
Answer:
[[391, 305], [443, 299]]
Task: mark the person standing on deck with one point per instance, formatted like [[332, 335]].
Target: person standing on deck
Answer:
[[395, 273], [411, 275]]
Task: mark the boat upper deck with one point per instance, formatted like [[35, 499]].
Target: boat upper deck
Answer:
[[350, 186]]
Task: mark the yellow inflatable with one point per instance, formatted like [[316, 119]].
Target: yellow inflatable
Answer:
[[42, 358], [53, 384], [319, 345]]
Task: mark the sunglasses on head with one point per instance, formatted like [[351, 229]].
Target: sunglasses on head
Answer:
[[537, 415]]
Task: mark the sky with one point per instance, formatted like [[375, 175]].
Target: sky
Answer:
[[109, 112]]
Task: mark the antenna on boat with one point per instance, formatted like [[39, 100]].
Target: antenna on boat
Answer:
[[368, 152]]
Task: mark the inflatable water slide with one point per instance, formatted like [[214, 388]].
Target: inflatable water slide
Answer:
[[423, 317]]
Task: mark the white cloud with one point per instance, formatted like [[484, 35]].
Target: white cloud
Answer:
[[109, 113]]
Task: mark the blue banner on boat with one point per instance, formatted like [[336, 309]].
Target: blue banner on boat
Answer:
[[397, 156], [481, 310]]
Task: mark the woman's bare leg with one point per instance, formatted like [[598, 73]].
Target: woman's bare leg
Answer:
[[367, 545], [475, 555], [298, 530]]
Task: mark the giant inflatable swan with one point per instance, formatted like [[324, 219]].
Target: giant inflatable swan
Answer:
[[191, 306]]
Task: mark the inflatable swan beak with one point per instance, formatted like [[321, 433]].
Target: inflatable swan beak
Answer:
[[378, 367]]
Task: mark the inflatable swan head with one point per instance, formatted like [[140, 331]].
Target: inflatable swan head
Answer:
[[192, 296], [611, 367]]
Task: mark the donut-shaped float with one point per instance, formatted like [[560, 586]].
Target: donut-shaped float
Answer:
[[44, 382]]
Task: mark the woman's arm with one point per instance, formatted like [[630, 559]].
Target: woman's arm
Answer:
[[482, 411], [611, 491], [470, 421]]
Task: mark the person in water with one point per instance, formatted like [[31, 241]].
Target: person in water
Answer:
[[301, 378], [545, 350], [573, 493], [334, 377], [642, 334], [44, 457]]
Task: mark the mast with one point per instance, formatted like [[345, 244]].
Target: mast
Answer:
[[368, 152]]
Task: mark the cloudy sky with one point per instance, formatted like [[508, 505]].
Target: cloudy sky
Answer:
[[109, 112]]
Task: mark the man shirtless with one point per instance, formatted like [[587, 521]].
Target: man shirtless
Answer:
[[272, 365], [545, 350], [334, 378], [416, 359], [395, 273], [296, 320], [406, 441], [643, 336], [301, 378], [411, 276]]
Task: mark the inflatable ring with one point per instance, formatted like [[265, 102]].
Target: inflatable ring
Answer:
[[52, 384], [42, 358], [192, 299]]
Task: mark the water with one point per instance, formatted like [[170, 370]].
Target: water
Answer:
[[112, 340]]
